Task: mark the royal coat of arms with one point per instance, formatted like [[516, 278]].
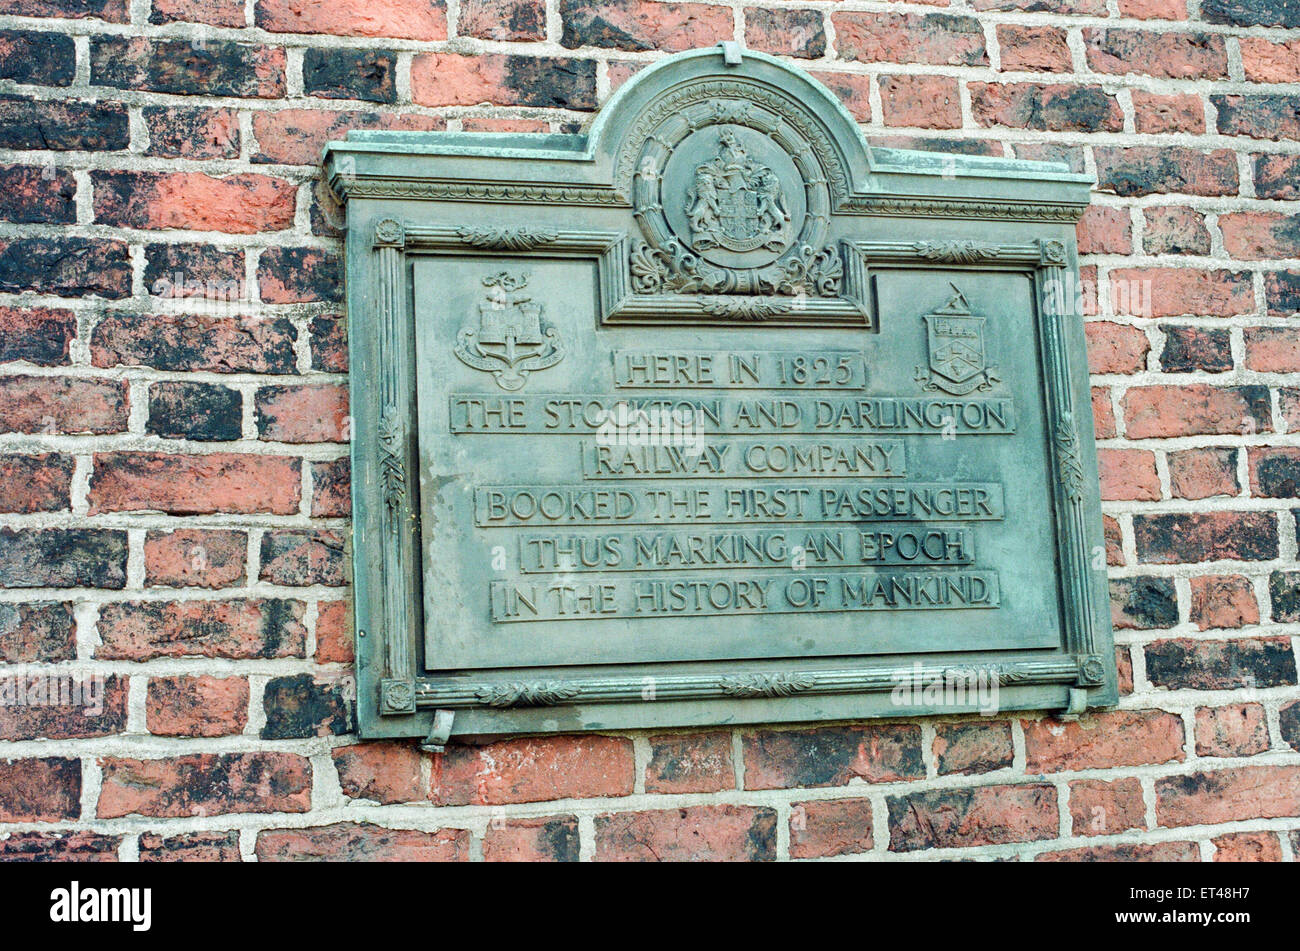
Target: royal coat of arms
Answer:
[[958, 363], [736, 203], [511, 339]]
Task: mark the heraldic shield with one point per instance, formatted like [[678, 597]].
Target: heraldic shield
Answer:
[[958, 363], [511, 339]]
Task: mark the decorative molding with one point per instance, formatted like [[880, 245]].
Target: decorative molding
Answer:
[[922, 207], [389, 233], [517, 193], [391, 466], [396, 696], [743, 308], [767, 685], [519, 693], [507, 239], [956, 252], [1069, 464]]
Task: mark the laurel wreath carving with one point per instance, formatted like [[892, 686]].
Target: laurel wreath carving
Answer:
[[1069, 465], [518, 693], [508, 239], [392, 472], [766, 685], [956, 252]]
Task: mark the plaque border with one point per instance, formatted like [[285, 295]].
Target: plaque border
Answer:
[[397, 697]]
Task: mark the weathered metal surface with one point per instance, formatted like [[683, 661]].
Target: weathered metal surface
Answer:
[[714, 415]]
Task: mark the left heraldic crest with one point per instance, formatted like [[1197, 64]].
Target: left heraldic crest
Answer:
[[511, 339]]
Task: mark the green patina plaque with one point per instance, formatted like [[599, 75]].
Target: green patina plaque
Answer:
[[713, 414]]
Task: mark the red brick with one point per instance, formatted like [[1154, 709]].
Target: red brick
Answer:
[[1240, 729], [1223, 601], [985, 815], [1153, 852], [296, 136], [190, 847], [693, 834], [39, 335], [1275, 472], [1277, 176], [1128, 474], [1116, 348], [1194, 410], [331, 485], [206, 558], [785, 32], [1114, 540], [1156, 169], [301, 557], [1103, 741], [1254, 235], [59, 847], [533, 769], [70, 706], [1124, 670], [189, 342], [361, 842], [239, 629], [1104, 230], [1228, 795], [1166, 54], [1201, 473], [385, 773], [196, 706], [1289, 403], [502, 19], [32, 194], [238, 204], [211, 12], [334, 632], [1055, 108], [1087, 7], [641, 25], [1034, 48], [937, 39], [455, 79], [1259, 117], [299, 275], [195, 485], [401, 19], [1282, 292], [40, 790], [851, 89], [297, 414], [40, 483], [1104, 808], [550, 839], [62, 405], [1272, 349], [1157, 114], [37, 632], [490, 124], [822, 828], [1172, 292], [1103, 413], [1267, 62], [1154, 9], [1175, 230], [973, 747], [832, 756], [687, 763], [205, 784], [1248, 847], [930, 102]]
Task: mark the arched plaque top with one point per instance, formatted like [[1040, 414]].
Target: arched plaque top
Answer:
[[683, 103]]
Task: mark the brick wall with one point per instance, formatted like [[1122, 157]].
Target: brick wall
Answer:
[[173, 471]]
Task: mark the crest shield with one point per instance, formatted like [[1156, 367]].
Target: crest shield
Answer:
[[955, 338]]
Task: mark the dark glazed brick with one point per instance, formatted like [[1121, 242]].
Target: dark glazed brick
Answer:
[[1289, 722], [1251, 12], [66, 126], [967, 748], [551, 83], [183, 342], [1284, 592], [502, 19], [299, 706], [111, 11], [31, 194], [299, 275], [1260, 117], [62, 558], [75, 708], [329, 343], [179, 271], [1149, 170], [46, 59], [1186, 664], [1143, 603], [36, 483], [785, 32], [218, 68], [1191, 348], [59, 847], [203, 411], [37, 335], [1182, 538], [987, 815], [1282, 292], [192, 133], [331, 488], [191, 847], [350, 74], [69, 267], [831, 756], [1277, 176]]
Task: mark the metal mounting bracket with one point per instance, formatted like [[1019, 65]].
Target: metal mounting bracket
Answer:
[[436, 741]]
